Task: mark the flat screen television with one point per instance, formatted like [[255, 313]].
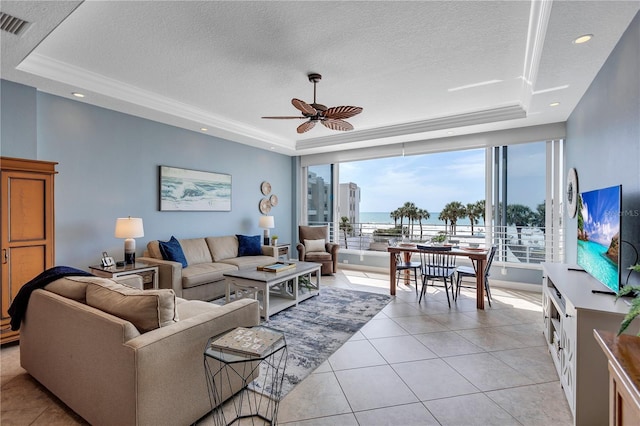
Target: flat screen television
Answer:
[[599, 234]]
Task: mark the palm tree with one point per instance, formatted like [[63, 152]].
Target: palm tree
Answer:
[[444, 216], [422, 214], [345, 226], [539, 216], [395, 215], [401, 215], [482, 208], [455, 210], [410, 210], [520, 216], [474, 211], [582, 235]]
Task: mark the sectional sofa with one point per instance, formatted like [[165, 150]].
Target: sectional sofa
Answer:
[[117, 355], [206, 259]]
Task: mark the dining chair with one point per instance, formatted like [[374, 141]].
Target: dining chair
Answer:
[[402, 266], [469, 271], [438, 264]]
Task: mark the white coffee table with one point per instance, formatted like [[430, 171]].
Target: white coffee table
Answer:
[[275, 290]]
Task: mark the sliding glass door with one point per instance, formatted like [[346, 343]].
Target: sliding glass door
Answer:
[[524, 193]]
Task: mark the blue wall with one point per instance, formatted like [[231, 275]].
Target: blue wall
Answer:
[[18, 120], [109, 165], [603, 139]]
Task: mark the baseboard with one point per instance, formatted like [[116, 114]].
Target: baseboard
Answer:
[[512, 285], [363, 268]]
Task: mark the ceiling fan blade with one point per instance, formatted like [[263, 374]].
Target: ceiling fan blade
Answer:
[[306, 126], [285, 117], [342, 112], [304, 107], [335, 124]]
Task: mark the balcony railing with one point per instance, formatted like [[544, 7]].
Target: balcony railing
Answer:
[[526, 245]]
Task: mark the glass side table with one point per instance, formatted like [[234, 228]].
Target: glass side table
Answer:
[[261, 377]]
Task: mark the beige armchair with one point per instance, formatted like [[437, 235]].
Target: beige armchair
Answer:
[[317, 247]]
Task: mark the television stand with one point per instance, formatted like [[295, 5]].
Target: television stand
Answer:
[[571, 313], [610, 293]]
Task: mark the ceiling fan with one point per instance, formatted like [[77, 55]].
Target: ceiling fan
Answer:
[[331, 118]]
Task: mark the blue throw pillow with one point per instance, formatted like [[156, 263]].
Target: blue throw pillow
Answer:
[[249, 245], [172, 250]]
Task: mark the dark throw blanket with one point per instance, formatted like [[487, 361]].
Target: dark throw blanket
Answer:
[[19, 305]]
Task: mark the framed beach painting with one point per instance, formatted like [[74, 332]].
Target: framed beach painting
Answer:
[[194, 190]]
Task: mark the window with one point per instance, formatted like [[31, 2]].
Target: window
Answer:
[[518, 184], [524, 185]]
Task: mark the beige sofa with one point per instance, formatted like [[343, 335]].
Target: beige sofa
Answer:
[[208, 259], [110, 373]]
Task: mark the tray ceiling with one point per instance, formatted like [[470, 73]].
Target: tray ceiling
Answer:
[[420, 70]]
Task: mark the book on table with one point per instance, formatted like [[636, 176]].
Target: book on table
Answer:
[[277, 267], [247, 341]]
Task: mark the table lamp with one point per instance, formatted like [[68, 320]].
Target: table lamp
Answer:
[[129, 228], [267, 223]]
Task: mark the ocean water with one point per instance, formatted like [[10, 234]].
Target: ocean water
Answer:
[[591, 257], [384, 218]]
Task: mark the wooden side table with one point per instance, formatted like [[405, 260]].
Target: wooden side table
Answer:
[[623, 354], [148, 272], [284, 251]]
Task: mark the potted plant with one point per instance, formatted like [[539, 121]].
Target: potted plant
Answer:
[[304, 283], [440, 238], [634, 311], [274, 240]]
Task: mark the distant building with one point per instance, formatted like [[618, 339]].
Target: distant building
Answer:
[[318, 199], [349, 202]]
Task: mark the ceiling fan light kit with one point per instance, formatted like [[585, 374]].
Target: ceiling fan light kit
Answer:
[[331, 118]]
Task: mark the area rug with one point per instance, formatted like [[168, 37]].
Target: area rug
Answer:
[[317, 327]]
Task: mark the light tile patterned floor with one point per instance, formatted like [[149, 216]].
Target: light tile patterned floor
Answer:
[[426, 364], [413, 364]]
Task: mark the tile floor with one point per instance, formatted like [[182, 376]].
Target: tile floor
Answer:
[[413, 364]]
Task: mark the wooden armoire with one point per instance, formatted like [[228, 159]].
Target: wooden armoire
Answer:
[[27, 229]]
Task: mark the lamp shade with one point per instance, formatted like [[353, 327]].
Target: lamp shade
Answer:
[[266, 222], [129, 227]]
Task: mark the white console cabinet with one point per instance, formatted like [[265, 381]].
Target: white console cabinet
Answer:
[[571, 313]]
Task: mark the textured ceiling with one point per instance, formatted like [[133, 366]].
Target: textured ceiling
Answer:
[[421, 70]]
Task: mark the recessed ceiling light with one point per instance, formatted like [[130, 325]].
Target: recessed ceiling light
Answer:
[[583, 39], [204, 129], [450, 132], [77, 94], [554, 104]]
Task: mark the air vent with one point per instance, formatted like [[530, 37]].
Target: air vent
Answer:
[[11, 24]]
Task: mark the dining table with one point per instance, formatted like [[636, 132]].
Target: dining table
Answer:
[[478, 257]]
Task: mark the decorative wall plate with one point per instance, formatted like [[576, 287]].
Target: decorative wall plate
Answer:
[[265, 187], [273, 200], [265, 206], [572, 192]]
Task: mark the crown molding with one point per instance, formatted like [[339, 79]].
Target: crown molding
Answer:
[[539, 16], [542, 132], [491, 115], [81, 78]]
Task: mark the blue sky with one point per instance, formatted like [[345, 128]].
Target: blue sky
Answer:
[[433, 180], [429, 181]]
